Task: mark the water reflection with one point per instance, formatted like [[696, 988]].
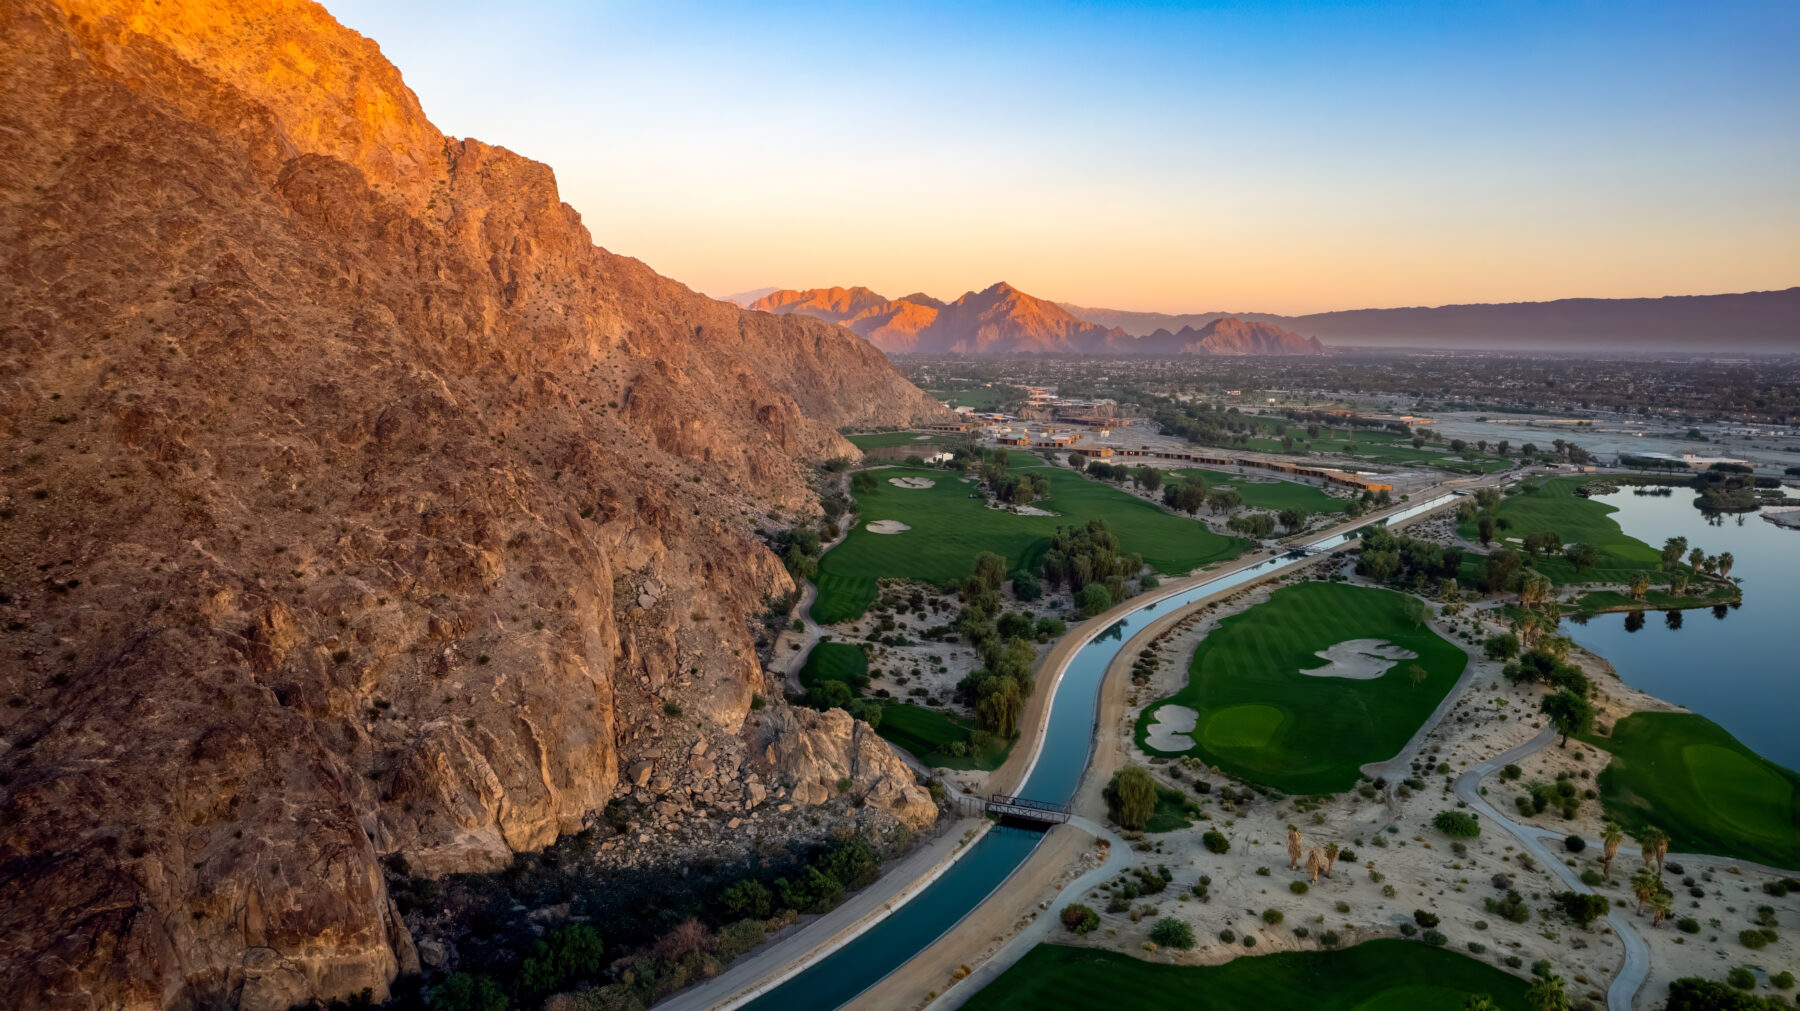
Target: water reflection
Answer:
[[1672, 619], [1740, 673]]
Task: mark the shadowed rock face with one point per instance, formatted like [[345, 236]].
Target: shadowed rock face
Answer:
[[354, 504]]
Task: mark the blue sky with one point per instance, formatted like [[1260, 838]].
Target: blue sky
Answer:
[[1277, 157]]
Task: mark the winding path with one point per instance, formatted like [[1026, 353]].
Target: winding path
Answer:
[[1630, 980]]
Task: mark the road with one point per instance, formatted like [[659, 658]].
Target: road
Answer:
[[1630, 980]]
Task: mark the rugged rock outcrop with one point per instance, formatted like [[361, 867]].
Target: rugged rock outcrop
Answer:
[[351, 503]]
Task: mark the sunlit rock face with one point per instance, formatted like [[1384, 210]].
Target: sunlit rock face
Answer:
[[354, 504]]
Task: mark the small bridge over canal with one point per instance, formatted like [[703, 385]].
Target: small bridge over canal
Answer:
[[1041, 811]]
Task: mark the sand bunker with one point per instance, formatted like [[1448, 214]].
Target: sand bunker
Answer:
[[911, 482], [885, 527], [1359, 659], [1171, 730]]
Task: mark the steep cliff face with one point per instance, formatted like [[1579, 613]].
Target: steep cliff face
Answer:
[[354, 504]]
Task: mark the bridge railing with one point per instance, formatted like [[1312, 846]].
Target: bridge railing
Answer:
[[1028, 809]]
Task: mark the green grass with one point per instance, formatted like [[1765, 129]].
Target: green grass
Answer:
[[1686, 775], [926, 441], [1603, 601], [951, 525], [835, 661], [1171, 812], [1396, 454], [1272, 495], [1382, 974], [925, 732], [981, 398], [1553, 505], [1264, 720]]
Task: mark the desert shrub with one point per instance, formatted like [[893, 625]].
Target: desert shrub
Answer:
[[1582, 907], [1297, 887], [1227, 935], [1079, 919], [465, 992], [1215, 841], [1688, 925], [1172, 933], [1329, 939], [1434, 938], [1752, 939], [1272, 916], [1457, 823], [1511, 908], [1741, 978], [1574, 843], [1424, 918]]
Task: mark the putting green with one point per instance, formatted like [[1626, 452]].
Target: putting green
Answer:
[[1731, 783], [951, 525], [1261, 716], [1688, 776], [1381, 975], [1242, 726]]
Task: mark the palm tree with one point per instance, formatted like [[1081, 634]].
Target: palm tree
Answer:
[[1695, 557], [1546, 994], [1315, 862], [1331, 855], [1725, 563], [1296, 848], [1646, 884], [1662, 906], [1654, 843], [1678, 581], [1640, 582], [1611, 836]]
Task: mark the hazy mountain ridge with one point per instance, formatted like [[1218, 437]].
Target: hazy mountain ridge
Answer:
[[1748, 321], [1001, 319]]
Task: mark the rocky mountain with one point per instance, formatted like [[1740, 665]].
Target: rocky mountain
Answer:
[[834, 304], [1751, 321], [1004, 320], [743, 299], [354, 505], [1227, 335], [1000, 319]]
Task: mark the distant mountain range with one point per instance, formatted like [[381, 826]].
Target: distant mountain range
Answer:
[[1752, 321], [1002, 319]]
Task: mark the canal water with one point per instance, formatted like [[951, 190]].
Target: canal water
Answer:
[[1053, 776], [1737, 666]]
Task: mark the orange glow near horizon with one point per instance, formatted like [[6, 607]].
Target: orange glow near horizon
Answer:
[[1276, 157]]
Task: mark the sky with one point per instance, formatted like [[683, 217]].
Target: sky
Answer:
[[1273, 157]]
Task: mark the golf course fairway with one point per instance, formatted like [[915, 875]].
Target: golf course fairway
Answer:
[[950, 525], [1383, 974], [1261, 717], [1689, 777]]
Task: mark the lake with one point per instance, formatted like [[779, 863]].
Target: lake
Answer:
[[1735, 666]]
